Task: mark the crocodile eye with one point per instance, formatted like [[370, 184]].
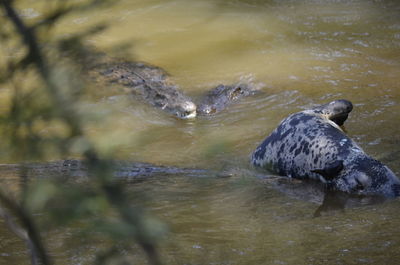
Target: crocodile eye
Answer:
[[237, 92], [188, 114]]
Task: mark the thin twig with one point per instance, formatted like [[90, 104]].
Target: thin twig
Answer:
[[28, 224], [21, 233], [36, 57]]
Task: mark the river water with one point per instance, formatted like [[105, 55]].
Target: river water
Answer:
[[301, 53]]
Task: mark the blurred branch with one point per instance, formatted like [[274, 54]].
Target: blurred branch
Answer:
[[35, 57], [31, 236], [27, 34], [52, 18], [130, 215], [21, 233], [66, 8], [100, 169]]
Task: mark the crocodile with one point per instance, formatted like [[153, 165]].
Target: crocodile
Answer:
[[76, 168], [152, 85], [137, 172], [223, 95]]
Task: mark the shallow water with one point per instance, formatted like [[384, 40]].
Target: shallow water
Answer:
[[304, 53]]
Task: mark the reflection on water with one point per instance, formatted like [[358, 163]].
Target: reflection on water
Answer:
[[238, 221], [254, 224], [305, 52]]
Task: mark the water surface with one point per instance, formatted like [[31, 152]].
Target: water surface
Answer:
[[303, 53]]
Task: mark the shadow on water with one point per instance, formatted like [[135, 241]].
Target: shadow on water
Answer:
[[329, 201], [338, 201], [222, 213], [133, 173]]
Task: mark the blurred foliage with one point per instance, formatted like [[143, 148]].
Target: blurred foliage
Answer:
[[40, 119]]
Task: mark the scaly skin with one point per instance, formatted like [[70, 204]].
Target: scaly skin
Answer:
[[221, 96], [151, 85]]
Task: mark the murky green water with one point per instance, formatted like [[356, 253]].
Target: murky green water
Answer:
[[305, 52]]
